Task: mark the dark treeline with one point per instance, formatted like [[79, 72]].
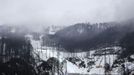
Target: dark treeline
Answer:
[[85, 36], [127, 43], [16, 54]]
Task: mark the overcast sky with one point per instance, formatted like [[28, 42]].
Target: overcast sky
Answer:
[[64, 12]]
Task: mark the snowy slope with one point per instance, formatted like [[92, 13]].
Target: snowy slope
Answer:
[[47, 52]]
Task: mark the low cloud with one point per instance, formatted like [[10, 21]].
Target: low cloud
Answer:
[[63, 12]]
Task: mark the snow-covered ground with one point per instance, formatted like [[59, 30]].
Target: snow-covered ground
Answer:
[[98, 68]]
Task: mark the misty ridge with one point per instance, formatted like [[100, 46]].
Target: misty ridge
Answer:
[[75, 38]]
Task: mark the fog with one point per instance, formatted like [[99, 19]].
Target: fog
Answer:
[[64, 12]]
